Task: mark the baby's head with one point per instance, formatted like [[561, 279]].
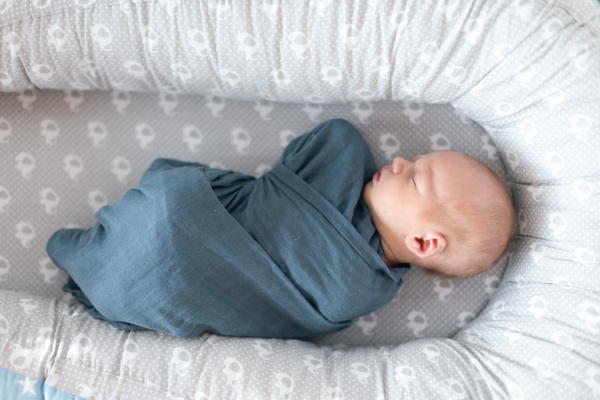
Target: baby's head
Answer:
[[444, 211]]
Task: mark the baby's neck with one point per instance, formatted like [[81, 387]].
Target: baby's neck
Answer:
[[387, 262], [388, 257]]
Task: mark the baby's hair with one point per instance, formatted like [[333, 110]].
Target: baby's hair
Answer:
[[513, 213], [462, 218]]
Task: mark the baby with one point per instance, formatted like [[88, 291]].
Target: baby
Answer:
[[319, 240], [456, 218]]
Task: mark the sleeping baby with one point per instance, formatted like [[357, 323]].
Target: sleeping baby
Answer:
[[321, 239]]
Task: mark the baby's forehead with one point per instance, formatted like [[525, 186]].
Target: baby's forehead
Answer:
[[458, 175], [452, 160], [446, 155]]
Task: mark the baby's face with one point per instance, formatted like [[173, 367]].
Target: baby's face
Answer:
[[404, 196]]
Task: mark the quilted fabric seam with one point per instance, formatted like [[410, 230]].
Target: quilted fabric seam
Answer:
[[583, 23]]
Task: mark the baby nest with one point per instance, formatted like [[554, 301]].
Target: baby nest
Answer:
[[513, 83]]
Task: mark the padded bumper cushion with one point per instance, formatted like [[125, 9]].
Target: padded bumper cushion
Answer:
[[526, 70]]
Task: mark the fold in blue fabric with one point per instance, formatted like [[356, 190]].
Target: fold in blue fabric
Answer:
[[193, 249]]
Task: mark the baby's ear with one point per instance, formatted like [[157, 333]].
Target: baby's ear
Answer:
[[425, 244]]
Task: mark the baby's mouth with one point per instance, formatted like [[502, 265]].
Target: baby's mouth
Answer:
[[377, 175]]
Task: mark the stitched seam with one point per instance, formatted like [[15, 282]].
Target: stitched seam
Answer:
[[583, 23], [566, 287]]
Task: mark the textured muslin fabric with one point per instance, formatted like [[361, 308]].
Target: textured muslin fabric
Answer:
[[192, 249]]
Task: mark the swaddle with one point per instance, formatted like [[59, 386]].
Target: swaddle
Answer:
[[192, 249]]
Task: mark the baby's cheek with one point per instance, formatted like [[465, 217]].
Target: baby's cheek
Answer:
[[367, 195]]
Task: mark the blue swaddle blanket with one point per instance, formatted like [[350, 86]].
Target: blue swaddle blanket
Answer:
[[192, 249]]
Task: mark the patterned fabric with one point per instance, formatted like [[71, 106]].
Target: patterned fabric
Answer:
[[524, 70]]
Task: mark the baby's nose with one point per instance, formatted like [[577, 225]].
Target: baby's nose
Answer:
[[398, 165]]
